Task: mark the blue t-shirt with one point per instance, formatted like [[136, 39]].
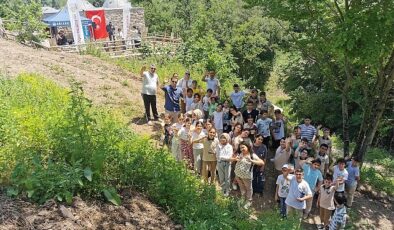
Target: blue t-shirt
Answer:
[[172, 98], [353, 172], [263, 125], [279, 129], [311, 176], [237, 98]]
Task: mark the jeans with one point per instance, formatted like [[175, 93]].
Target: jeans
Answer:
[[282, 204], [150, 102], [224, 169]]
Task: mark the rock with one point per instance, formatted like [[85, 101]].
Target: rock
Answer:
[[66, 213], [178, 226], [43, 213]]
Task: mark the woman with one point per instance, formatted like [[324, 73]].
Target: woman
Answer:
[[236, 116], [186, 148], [197, 140], [244, 171], [224, 153], [237, 130], [258, 171], [209, 156]]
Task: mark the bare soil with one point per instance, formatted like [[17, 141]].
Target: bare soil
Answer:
[[106, 84]]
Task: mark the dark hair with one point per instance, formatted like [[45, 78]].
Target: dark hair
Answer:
[[277, 111], [254, 90], [318, 161], [341, 160], [188, 120], [304, 139], [324, 145], [235, 108], [250, 102], [247, 146], [235, 85], [209, 91], [308, 117], [194, 81], [199, 123], [264, 111], [300, 170], [340, 198], [263, 93], [249, 117], [189, 90], [328, 176], [197, 94], [283, 138], [239, 124], [258, 136], [295, 128]]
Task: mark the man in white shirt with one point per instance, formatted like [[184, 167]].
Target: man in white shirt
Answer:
[[212, 83], [150, 83]]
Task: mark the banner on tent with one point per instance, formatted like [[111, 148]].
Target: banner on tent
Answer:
[[99, 24], [75, 21]]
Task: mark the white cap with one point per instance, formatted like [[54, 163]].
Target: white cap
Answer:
[[285, 166]]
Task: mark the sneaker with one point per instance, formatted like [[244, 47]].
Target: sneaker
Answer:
[[272, 159], [235, 187], [226, 194], [320, 226], [150, 123]]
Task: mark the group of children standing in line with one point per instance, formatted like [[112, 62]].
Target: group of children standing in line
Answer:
[[231, 139]]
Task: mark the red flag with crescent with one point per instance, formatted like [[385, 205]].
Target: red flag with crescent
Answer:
[[98, 23]]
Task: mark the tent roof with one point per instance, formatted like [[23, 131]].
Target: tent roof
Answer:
[[49, 10], [63, 19], [85, 5]]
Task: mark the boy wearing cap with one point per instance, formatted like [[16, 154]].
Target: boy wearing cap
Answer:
[[282, 188], [150, 83]]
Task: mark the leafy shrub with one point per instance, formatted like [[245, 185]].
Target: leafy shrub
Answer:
[[57, 145]]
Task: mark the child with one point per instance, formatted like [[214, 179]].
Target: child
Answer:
[[196, 102], [226, 117], [212, 106], [186, 147], [189, 99], [175, 147], [264, 104], [325, 201], [251, 126], [250, 111], [325, 139], [237, 97], [209, 156], [282, 188], [224, 153], [263, 125], [302, 148], [253, 97], [338, 220], [218, 119], [323, 157], [207, 126], [205, 102], [167, 130], [197, 89], [278, 128]]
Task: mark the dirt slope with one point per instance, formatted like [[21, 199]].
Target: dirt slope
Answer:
[[104, 83]]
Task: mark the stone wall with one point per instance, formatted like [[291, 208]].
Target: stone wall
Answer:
[[136, 18]]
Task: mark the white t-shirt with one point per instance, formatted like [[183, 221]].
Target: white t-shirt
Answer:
[[224, 152], [344, 174], [196, 136], [284, 185], [182, 83], [218, 119], [205, 101], [297, 190], [236, 98], [213, 84], [149, 83], [183, 134]]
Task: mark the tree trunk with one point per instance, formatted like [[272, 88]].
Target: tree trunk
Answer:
[[375, 110], [345, 122]]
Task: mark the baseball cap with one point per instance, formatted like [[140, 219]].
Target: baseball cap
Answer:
[[187, 71], [153, 66], [285, 166]]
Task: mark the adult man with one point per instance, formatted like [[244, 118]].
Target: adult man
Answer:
[[212, 83], [312, 176], [299, 192], [282, 154], [173, 96], [149, 89], [307, 130], [110, 30]]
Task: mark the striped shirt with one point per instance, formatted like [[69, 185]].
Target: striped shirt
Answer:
[[308, 131]]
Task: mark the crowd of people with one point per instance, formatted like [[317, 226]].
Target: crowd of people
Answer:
[[229, 137]]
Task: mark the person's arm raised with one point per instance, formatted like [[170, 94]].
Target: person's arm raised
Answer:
[[143, 69]]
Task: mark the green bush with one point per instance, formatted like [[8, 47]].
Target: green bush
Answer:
[[55, 144]]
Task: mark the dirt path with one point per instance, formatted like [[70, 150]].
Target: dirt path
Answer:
[[104, 83]]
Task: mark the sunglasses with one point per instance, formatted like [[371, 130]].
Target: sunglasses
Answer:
[[152, 68], [174, 81]]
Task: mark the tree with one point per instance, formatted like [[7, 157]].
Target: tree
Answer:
[[352, 46]]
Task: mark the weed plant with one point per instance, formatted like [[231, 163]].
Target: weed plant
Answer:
[[55, 144]]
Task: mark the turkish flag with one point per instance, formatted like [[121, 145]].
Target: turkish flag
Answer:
[[98, 19]]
